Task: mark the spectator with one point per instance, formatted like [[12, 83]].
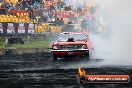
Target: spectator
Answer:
[[12, 6], [52, 7], [59, 22]]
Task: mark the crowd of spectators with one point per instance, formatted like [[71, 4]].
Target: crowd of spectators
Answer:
[[54, 12]]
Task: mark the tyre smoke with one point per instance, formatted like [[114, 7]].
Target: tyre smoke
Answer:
[[119, 18], [114, 45]]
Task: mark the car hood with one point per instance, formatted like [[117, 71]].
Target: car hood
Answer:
[[72, 43]]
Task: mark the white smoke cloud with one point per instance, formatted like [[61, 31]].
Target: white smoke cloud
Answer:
[[117, 15], [119, 18], [115, 45], [76, 3]]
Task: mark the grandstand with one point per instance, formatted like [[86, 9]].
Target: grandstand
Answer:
[[45, 15]]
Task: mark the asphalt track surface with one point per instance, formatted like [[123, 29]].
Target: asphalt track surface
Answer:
[[39, 71]]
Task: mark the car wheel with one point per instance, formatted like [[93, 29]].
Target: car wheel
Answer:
[[87, 56], [54, 57]]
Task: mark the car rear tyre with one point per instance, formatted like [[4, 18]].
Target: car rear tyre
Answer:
[[87, 56], [55, 57]]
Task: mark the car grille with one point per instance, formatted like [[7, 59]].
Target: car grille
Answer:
[[69, 47]]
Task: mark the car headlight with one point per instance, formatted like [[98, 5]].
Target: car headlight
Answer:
[[54, 47], [84, 47]]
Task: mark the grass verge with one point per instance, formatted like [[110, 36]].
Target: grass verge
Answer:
[[27, 44]]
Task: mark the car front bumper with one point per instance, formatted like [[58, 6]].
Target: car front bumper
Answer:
[[71, 52]]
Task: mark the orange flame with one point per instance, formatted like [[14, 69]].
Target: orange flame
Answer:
[[81, 71]]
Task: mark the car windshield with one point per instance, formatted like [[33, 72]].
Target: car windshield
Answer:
[[76, 37]]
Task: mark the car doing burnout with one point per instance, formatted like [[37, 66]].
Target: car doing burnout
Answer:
[[71, 44]]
